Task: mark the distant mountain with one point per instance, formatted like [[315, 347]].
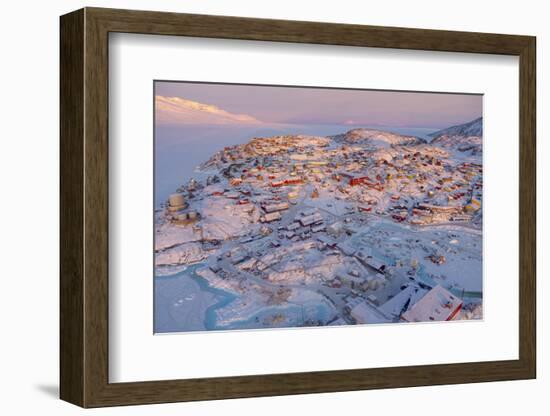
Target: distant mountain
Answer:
[[177, 110], [378, 138], [472, 128], [466, 137]]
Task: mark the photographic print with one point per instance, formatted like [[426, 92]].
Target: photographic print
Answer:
[[290, 206]]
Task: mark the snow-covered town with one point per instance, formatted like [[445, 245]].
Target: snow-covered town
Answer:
[[363, 227]]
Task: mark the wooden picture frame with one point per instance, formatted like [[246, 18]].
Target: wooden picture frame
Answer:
[[84, 207]]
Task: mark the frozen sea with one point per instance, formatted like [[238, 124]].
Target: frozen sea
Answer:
[[185, 302]]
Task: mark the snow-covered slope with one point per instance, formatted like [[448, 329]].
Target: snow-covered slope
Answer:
[[177, 110], [464, 137], [381, 139], [460, 143], [472, 128]]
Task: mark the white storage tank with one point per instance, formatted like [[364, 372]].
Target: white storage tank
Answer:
[[176, 202]]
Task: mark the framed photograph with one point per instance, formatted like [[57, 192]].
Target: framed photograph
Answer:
[[255, 207]]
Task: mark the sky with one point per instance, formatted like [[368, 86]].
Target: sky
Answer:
[[224, 104]]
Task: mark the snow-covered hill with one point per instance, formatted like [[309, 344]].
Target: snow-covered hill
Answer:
[[467, 137], [177, 110], [472, 128], [378, 138]]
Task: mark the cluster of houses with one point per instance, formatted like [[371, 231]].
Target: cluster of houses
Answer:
[[303, 225], [268, 179], [412, 304], [412, 184]]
